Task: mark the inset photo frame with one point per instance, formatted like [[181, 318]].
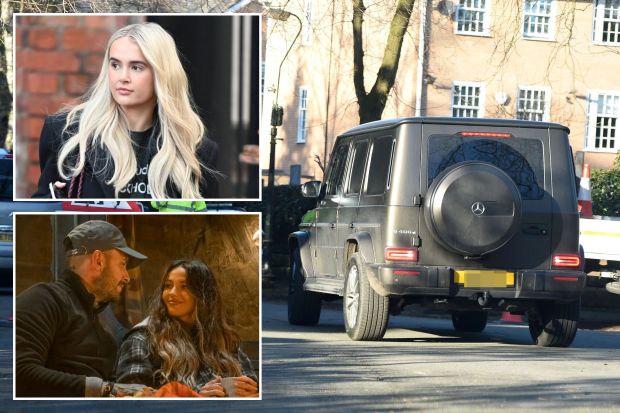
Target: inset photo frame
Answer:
[[137, 305], [137, 106]]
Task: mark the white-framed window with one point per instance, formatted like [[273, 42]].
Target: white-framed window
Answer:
[[306, 35], [539, 19], [603, 130], [606, 22], [472, 17], [533, 103], [302, 115], [467, 100]]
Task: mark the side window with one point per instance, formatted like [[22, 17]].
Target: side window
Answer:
[[336, 173], [380, 165], [357, 169]]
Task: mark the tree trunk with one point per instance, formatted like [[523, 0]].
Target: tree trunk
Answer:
[[6, 98], [372, 104]]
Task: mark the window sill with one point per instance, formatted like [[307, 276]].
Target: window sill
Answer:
[[484, 34], [539, 39], [606, 44], [601, 150]]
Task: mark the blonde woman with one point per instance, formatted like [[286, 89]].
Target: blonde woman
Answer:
[[186, 338], [135, 134]]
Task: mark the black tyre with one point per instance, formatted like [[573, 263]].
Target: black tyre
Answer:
[[613, 287], [304, 307], [469, 321], [365, 312], [473, 208], [554, 324]]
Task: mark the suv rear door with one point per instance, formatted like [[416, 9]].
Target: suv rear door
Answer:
[[521, 153]]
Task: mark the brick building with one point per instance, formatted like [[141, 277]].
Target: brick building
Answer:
[[551, 60], [56, 59]]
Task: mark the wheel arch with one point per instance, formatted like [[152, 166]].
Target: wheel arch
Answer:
[[301, 240], [358, 242]]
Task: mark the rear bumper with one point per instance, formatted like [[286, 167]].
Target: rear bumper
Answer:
[[439, 281]]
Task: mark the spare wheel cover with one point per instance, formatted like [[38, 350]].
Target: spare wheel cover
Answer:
[[473, 208]]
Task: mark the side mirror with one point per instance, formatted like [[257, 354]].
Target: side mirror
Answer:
[[311, 189]]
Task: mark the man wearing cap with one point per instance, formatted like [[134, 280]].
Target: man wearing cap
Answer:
[[62, 348]]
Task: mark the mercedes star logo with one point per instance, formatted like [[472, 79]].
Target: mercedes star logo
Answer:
[[477, 208]]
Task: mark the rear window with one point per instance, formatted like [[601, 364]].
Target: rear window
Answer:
[[521, 159]]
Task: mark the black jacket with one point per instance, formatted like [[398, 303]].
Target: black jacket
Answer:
[[59, 340], [94, 186]]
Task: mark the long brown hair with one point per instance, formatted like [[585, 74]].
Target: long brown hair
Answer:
[[210, 341]]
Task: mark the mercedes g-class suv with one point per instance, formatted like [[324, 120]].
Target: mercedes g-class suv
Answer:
[[468, 215]]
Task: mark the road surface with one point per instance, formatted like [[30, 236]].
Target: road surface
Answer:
[[421, 365]]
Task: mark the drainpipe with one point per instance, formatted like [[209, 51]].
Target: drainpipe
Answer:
[[421, 56], [329, 82]]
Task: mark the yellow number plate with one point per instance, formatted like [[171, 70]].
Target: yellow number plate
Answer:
[[484, 278]]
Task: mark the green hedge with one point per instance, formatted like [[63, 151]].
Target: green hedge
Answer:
[[289, 208], [605, 184]]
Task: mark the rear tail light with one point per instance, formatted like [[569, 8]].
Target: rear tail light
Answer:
[[400, 254], [566, 261], [486, 134]]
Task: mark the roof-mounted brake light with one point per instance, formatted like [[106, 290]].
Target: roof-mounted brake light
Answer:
[[486, 134]]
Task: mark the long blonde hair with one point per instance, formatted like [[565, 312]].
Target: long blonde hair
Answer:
[[102, 126], [211, 341]]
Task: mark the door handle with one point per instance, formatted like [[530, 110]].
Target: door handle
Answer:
[[534, 230], [332, 225], [351, 226]]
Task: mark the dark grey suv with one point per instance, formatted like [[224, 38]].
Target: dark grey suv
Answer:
[[468, 215]]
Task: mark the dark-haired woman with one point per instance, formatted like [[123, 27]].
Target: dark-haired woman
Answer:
[[186, 338]]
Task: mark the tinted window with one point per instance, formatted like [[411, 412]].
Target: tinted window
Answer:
[[6, 178], [337, 171], [380, 164], [357, 170], [521, 159]]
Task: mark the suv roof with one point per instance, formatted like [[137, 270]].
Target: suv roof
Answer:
[[390, 123]]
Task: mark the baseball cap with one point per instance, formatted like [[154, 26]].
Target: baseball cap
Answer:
[[99, 235]]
